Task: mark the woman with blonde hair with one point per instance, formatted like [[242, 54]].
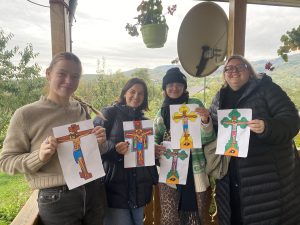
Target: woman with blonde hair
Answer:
[[30, 148]]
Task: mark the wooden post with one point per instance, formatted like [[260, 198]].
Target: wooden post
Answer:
[[60, 26], [237, 27]]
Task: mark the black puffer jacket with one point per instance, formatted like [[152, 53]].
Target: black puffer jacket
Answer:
[[268, 179], [130, 187]]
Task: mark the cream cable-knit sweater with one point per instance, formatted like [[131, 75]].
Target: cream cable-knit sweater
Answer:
[[29, 127]]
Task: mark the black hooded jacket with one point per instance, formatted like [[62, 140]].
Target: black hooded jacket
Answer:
[[125, 187], [267, 181]]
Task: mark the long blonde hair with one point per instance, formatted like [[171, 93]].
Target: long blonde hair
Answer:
[[87, 106], [65, 56], [72, 57], [58, 57]]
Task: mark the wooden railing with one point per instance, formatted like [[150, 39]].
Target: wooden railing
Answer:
[[29, 213]]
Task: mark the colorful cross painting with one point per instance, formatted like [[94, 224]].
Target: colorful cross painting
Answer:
[[74, 137], [188, 129], [232, 147], [174, 165], [78, 153], [139, 139], [173, 176], [235, 125]]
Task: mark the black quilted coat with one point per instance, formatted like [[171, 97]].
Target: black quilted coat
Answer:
[[268, 179], [130, 187]]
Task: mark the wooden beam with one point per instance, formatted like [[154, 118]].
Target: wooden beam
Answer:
[[237, 27], [29, 213], [288, 3], [60, 28]]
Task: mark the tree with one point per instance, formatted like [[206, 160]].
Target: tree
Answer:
[[20, 82], [291, 42], [142, 73], [101, 66], [107, 89]]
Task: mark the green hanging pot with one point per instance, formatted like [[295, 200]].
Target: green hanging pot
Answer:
[[154, 35]]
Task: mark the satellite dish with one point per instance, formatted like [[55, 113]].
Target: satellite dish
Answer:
[[202, 39]]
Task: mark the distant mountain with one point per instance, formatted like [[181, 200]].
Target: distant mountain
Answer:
[[292, 67]]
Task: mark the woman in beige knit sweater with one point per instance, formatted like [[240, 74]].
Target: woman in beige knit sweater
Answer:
[[30, 148]]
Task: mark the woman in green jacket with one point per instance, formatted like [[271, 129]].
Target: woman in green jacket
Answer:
[[183, 203]]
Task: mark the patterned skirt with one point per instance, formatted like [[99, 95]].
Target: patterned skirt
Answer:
[[170, 215]]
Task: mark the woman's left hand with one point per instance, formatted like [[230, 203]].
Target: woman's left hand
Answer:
[[204, 114], [257, 126], [100, 134]]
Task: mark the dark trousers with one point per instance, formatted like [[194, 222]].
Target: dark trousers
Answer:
[[83, 205]]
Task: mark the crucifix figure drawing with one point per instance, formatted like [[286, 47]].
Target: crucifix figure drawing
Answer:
[[173, 176], [139, 140], [232, 148], [183, 115], [75, 136]]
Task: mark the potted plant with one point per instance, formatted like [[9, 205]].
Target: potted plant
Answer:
[[153, 24]]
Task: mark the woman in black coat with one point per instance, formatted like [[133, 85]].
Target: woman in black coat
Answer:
[[264, 187], [128, 189]]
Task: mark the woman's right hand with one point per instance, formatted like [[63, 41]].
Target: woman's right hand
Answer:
[[48, 149], [159, 151], [122, 147], [204, 114]]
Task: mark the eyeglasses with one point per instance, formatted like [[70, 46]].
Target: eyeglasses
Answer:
[[237, 68], [175, 85]]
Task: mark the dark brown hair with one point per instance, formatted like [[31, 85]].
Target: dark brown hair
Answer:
[[128, 85]]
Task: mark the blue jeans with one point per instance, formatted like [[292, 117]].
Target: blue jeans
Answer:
[[124, 216], [83, 205]]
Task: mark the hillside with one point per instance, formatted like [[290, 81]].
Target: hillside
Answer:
[[290, 68], [287, 75]]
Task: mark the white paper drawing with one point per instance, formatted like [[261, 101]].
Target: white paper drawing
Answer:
[[139, 135], [78, 153], [174, 165], [185, 126], [233, 132]]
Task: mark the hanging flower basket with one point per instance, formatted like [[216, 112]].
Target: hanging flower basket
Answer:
[[153, 23], [154, 35]]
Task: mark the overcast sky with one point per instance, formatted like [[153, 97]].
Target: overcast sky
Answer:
[[99, 31]]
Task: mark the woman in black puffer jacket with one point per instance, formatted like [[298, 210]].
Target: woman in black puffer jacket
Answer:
[[128, 189], [264, 188]]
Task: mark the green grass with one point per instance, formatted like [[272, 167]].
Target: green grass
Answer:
[[297, 141], [14, 192]]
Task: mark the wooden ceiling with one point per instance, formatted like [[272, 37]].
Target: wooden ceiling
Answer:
[[291, 3]]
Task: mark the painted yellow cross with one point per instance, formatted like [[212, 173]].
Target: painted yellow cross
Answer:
[[186, 140]]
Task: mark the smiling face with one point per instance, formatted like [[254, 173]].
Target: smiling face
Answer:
[[236, 74], [63, 80], [174, 90], [134, 96]]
